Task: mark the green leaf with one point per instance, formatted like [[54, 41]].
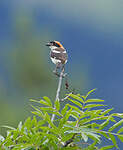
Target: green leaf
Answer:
[[69, 126], [77, 97], [33, 100], [87, 131], [89, 92], [70, 148], [94, 136], [93, 125], [50, 136], [93, 105], [116, 125], [47, 108], [75, 114], [28, 122], [49, 129], [57, 105], [9, 127], [38, 111], [64, 119], [44, 103], [90, 133], [120, 115], [72, 131], [113, 140], [84, 137], [48, 119], [62, 122], [105, 123], [54, 112], [68, 114], [66, 137], [50, 110], [1, 138], [106, 111], [34, 121], [93, 113], [107, 147], [93, 100], [64, 110], [121, 130], [48, 100], [20, 125], [75, 102], [23, 146], [120, 137], [104, 134], [85, 120], [74, 107]]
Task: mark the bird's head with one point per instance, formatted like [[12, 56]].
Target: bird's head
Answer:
[[54, 44]]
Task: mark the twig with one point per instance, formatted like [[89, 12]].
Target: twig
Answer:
[[69, 141], [66, 96], [58, 75], [58, 89], [59, 84]]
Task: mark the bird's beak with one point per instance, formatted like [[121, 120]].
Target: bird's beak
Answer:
[[48, 44]]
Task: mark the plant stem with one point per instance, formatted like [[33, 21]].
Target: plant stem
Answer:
[[58, 89], [59, 85], [69, 141]]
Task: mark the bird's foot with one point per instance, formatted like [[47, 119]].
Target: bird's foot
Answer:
[[56, 73]]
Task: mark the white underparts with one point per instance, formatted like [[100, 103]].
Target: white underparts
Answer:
[[55, 61], [54, 51], [52, 47]]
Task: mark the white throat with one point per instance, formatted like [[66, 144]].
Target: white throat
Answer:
[[52, 47]]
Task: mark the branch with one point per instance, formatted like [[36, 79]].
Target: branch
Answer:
[[59, 84], [66, 96], [58, 89], [69, 141]]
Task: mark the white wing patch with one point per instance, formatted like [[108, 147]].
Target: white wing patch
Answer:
[[64, 52]]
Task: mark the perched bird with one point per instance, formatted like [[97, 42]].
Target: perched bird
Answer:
[[58, 54]]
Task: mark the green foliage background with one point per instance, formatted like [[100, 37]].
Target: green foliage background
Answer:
[[80, 124]]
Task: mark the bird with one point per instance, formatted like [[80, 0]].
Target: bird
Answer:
[[58, 54]]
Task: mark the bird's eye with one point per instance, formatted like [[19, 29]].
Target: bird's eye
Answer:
[[52, 42], [55, 44]]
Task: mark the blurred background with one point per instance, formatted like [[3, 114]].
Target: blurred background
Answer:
[[92, 33]]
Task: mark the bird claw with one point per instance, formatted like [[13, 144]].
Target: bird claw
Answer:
[[56, 73]]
